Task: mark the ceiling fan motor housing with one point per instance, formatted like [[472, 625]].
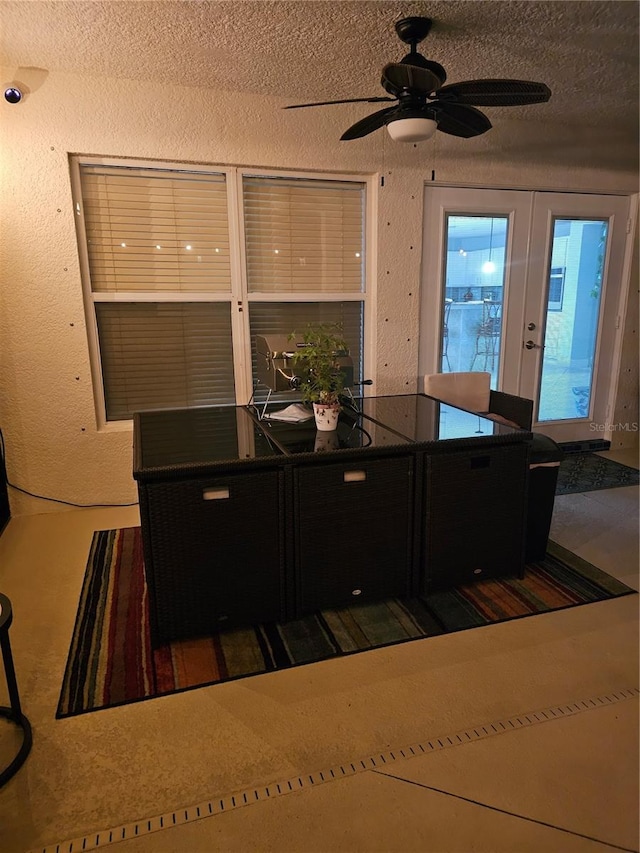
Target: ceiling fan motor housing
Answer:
[[418, 61]]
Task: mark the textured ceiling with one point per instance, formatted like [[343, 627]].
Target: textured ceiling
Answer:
[[587, 52]]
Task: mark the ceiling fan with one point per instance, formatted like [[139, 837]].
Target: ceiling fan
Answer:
[[425, 104]]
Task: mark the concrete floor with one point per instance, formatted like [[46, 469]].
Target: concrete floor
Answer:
[[564, 780]]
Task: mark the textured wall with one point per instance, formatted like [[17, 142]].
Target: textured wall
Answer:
[[46, 403], [626, 415]]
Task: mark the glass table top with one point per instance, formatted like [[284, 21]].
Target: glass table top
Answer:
[[218, 434], [422, 418], [201, 435], [354, 431]]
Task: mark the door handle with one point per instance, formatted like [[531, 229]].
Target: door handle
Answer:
[[532, 345]]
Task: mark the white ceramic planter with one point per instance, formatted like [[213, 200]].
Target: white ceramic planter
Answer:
[[326, 441], [326, 416]]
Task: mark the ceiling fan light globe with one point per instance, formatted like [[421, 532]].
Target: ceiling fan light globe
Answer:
[[411, 129]]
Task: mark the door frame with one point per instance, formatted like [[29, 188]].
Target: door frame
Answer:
[[547, 207], [440, 199], [511, 203]]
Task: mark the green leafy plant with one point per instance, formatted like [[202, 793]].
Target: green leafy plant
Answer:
[[594, 293], [318, 359]]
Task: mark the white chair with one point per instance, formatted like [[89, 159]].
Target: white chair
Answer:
[[470, 390]]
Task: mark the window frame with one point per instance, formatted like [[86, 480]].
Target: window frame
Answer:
[[238, 296], [559, 274]]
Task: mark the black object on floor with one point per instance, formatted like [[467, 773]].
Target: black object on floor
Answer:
[[14, 713], [588, 445], [588, 472]]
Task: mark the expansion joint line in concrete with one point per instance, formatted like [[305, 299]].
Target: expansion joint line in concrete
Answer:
[[503, 811], [220, 804]]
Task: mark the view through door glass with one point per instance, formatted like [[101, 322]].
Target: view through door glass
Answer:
[[574, 287], [473, 294]]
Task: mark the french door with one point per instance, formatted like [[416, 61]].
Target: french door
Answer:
[[527, 286]]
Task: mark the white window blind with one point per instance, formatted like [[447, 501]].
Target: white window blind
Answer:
[[155, 229], [164, 355], [304, 235]]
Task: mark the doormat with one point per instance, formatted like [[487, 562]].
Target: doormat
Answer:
[[111, 661], [587, 472]]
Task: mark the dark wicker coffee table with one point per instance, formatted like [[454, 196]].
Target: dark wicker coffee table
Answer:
[[240, 515]]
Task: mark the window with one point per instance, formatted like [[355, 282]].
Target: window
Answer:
[[183, 267], [304, 240], [556, 288]]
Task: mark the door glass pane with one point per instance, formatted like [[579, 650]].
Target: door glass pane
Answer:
[[475, 249], [574, 291]]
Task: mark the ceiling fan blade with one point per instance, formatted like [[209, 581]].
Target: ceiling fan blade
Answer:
[[460, 120], [495, 93], [347, 101], [399, 76], [368, 124]]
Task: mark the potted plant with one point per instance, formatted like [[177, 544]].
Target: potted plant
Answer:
[[318, 354]]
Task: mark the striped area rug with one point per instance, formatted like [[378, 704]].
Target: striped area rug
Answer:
[[111, 661]]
